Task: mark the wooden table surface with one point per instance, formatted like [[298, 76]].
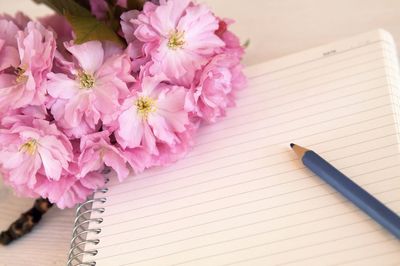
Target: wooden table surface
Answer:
[[274, 28]]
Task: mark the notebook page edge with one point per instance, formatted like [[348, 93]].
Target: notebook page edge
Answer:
[[320, 51]]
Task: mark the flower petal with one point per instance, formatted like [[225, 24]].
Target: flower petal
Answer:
[[9, 57], [90, 55], [113, 159], [51, 165], [89, 161], [171, 107], [165, 18], [149, 141], [130, 131], [61, 86], [75, 109], [106, 98], [161, 129]]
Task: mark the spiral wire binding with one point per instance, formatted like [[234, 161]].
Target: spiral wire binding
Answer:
[[81, 230]]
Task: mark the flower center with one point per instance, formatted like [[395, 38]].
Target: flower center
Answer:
[[145, 105], [86, 80], [21, 77], [29, 147], [176, 40]]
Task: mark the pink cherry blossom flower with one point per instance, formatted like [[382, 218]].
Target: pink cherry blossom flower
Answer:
[[136, 50], [9, 56], [138, 158], [20, 190], [36, 147], [181, 35], [21, 83], [232, 42], [99, 8], [19, 19], [69, 190], [218, 82], [154, 113], [61, 27], [170, 154], [92, 88], [22, 116], [70, 111], [96, 151]]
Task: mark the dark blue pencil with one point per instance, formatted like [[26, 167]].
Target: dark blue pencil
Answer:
[[361, 198]]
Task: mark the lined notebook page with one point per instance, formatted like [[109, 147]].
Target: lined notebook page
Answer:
[[241, 197]]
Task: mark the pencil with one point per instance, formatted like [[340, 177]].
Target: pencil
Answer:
[[353, 192]]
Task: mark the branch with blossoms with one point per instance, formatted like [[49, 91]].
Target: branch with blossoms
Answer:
[[105, 83]]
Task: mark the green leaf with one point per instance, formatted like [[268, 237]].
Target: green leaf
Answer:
[[66, 6], [84, 24], [90, 29], [246, 43]]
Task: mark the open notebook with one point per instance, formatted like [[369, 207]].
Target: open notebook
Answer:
[[241, 197]]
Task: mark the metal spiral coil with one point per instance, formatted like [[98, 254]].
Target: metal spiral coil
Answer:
[[81, 230]]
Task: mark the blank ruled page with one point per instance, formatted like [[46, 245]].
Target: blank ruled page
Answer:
[[241, 197]]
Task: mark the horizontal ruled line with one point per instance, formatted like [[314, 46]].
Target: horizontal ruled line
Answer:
[[370, 257], [253, 223], [288, 112], [256, 169], [317, 59], [276, 134], [377, 59], [327, 253], [224, 197], [304, 126], [263, 244]]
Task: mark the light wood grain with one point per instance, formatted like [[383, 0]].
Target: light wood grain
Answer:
[[274, 27]]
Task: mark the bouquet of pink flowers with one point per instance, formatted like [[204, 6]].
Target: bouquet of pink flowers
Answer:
[[114, 84]]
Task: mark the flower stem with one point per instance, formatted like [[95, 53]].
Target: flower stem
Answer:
[[26, 222]]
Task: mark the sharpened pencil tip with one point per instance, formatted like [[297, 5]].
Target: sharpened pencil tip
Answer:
[[300, 151]]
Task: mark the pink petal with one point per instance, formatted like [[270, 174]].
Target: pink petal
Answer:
[[166, 17], [90, 55], [199, 25], [92, 162], [106, 100], [75, 109], [53, 190], [149, 141], [8, 57], [130, 131], [10, 95], [11, 159], [149, 84], [127, 27], [178, 63], [8, 32], [99, 8], [51, 165], [61, 86], [62, 151], [92, 180], [6, 80], [171, 108], [161, 129], [137, 158], [114, 160]]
